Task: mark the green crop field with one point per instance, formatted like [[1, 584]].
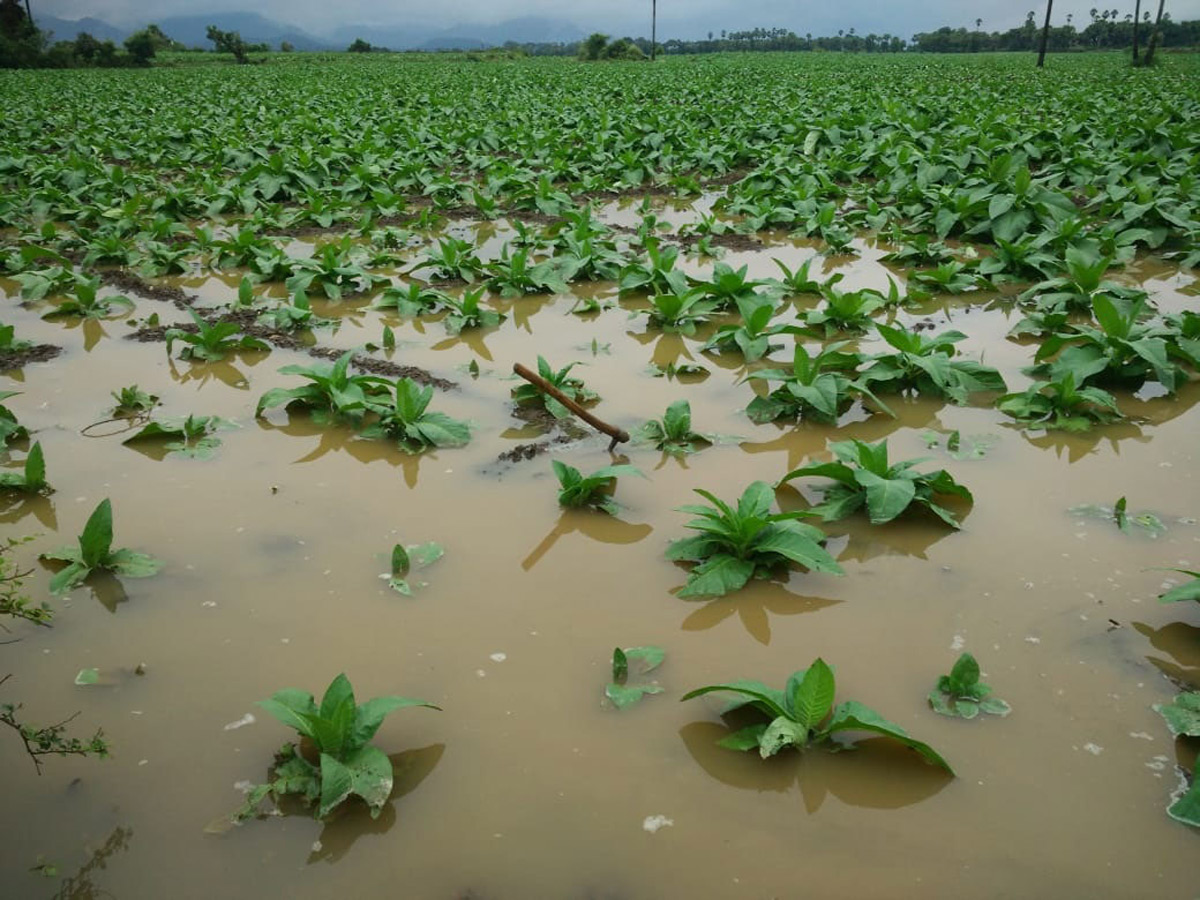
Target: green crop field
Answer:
[[891, 364]]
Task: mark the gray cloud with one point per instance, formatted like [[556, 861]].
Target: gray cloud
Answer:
[[677, 18]]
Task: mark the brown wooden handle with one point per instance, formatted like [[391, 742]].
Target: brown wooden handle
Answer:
[[618, 435]]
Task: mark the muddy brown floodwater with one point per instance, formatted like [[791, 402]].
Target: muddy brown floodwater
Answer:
[[526, 785]]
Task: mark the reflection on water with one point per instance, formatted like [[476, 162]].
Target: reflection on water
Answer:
[[92, 330], [14, 507], [754, 604], [875, 774], [597, 526], [1181, 642], [334, 438], [352, 820], [202, 373], [80, 886]]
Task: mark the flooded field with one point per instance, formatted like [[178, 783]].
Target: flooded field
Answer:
[[527, 783]]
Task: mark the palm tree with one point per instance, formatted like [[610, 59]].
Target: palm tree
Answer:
[[1137, 14], [653, 26], [1156, 35]]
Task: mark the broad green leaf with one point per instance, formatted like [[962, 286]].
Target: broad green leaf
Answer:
[[965, 673], [886, 497], [744, 739], [717, 576], [370, 715], [789, 543], [678, 419], [620, 665], [371, 777], [644, 659], [756, 500], [400, 561], [72, 576], [755, 692], [1187, 808], [780, 734], [87, 676], [132, 564], [1189, 590], [294, 708], [1182, 714], [96, 540], [337, 783], [624, 695], [854, 716], [812, 697]]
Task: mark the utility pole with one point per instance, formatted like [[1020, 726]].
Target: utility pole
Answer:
[[1137, 14], [1045, 34], [29, 13], [653, 27]]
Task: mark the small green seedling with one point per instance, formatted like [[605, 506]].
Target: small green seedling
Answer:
[[642, 660], [211, 342], [862, 477], [32, 478], [800, 715], [963, 695], [1146, 523], [1183, 718], [960, 446], [191, 437], [673, 432], [735, 545], [406, 559], [340, 730], [132, 400], [94, 551], [593, 490]]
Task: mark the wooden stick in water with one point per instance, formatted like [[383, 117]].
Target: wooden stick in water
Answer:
[[618, 435]]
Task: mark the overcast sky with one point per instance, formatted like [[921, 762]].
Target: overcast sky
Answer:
[[677, 18]]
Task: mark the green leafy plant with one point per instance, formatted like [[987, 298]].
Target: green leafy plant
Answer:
[[799, 282], [132, 401], [673, 432], [803, 715], [1146, 523], [190, 437], [407, 559], [574, 388], [678, 313], [467, 312], [863, 477], [211, 342], [577, 490], [844, 311], [297, 313], [820, 387], [86, 304], [513, 275], [753, 334], [729, 287], [407, 420], [642, 660], [1080, 285], [9, 342], [10, 429], [451, 259], [1183, 718], [657, 274], [961, 694], [340, 731], [737, 544], [413, 299], [32, 478], [928, 365], [1061, 405], [332, 389], [94, 552]]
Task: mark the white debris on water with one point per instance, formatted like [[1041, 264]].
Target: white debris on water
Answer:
[[1094, 749], [498, 657], [1033, 640], [958, 643], [1141, 735], [653, 823], [247, 719], [243, 787]]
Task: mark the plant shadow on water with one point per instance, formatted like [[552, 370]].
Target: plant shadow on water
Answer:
[[523, 309], [15, 507], [754, 604], [877, 774], [597, 526], [80, 885], [669, 347], [337, 437], [1181, 642], [225, 372], [91, 329], [353, 820], [469, 337]]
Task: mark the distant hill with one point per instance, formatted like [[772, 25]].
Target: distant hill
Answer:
[[253, 28], [529, 29], [69, 29]]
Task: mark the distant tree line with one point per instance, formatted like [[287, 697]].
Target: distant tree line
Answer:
[[25, 46], [1107, 30]]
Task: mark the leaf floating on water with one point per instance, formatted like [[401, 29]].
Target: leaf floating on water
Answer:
[[87, 676]]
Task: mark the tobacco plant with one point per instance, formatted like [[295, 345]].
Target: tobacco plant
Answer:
[[467, 312], [642, 660], [132, 401], [849, 311], [406, 419], [340, 731], [577, 490], [928, 365], [332, 389], [414, 299], [572, 387], [94, 552], [32, 477], [211, 342], [86, 304], [1060, 405], [673, 432], [802, 715], [190, 437], [961, 694], [678, 313], [862, 477], [820, 387], [735, 544]]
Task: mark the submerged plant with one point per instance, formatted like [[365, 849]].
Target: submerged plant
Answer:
[[963, 695], [1060, 405], [863, 477], [406, 559], [192, 437], [678, 313], [1189, 590], [1183, 718], [673, 432], [94, 552], [642, 660], [803, 715], [211, 342], [331, 389], [340, 730], [86, 304], [737, 544], [929, 365], [406, 419], [32, 478], [467, 312], [132, 401], [577, 490], [820, 387]]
